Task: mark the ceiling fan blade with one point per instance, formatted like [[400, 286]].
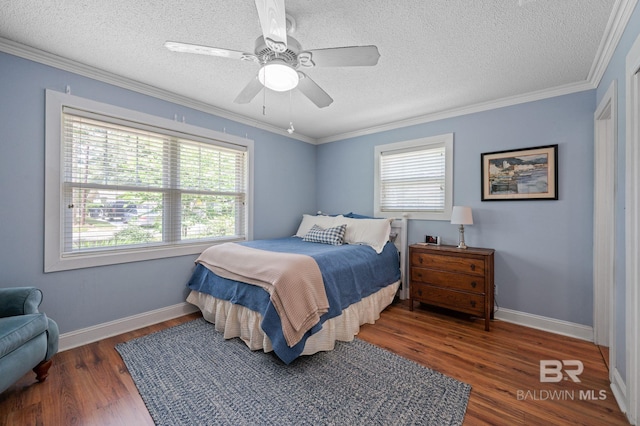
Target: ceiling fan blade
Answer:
[[249, 92], [350, 56], [311, 90], [176, 46], [274, 23]]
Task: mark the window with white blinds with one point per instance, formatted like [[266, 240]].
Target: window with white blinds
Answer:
[[415, 178], [128, 186]]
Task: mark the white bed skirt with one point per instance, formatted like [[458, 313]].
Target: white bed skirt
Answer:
[[238, 321]]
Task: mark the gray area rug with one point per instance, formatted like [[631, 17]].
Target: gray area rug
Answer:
[[190, 375]]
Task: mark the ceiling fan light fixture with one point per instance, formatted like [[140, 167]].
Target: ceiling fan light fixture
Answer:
[[278, 76]]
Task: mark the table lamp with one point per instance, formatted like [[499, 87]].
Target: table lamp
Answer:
[[461, 215]]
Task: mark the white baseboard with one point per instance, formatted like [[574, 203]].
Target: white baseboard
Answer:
[[619, 390], [94, 333], [551, 325]]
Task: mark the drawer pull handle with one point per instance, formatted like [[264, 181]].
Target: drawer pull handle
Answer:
[[420, 260], [419, 292], [474, 284], [473, 267], [473, 303]]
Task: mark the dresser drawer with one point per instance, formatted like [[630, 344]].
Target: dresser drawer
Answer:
[[465, 282], [457, 300], [465, 265]]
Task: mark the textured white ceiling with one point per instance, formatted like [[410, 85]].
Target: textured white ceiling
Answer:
[[436, 55]]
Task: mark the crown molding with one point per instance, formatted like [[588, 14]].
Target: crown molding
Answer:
[[471, 109], [46, 58], [618, 20]]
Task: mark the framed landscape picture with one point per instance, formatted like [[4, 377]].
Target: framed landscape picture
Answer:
[[520, 174]]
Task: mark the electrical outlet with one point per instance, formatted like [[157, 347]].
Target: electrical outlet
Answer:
[[495, 289]]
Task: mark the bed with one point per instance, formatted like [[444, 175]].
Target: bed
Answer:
[[299, 295]]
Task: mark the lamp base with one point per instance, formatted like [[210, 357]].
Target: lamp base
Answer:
[[461, 244]]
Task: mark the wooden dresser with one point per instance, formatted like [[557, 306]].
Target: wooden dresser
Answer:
[[453, 278]]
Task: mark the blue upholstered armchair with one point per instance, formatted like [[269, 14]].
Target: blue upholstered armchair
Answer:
[[28, 339]]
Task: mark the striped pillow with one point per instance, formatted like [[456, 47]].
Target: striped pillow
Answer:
[[333, 236]]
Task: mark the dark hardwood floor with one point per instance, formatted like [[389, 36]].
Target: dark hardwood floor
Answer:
[[90, 385]]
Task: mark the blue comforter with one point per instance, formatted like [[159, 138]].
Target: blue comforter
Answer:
[[349, 272]]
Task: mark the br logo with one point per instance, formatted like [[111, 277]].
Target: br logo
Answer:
[[551, 370]]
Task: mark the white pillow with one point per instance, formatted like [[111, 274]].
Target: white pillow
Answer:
[[309, 220], [371, 232]]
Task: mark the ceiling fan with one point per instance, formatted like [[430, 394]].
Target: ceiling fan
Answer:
[[281, 57]]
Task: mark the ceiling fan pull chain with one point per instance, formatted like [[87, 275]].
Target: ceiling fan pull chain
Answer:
[[264, 96], [290, 129]]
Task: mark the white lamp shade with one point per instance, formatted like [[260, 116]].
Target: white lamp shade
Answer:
[[278, 76], [461, 215]]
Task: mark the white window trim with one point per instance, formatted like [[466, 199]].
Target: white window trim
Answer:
[[53, 259], [447, 140]]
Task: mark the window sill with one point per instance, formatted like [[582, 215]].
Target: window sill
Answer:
[[79, 261]]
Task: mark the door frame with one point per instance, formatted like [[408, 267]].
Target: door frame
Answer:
[[632, 231], [604, 225]]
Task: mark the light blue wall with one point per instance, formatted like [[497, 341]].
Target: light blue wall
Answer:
[[543, 260], [543, 248], [82, 298], [616, 71]]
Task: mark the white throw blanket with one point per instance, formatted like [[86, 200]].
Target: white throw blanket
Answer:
[[293, 281]]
